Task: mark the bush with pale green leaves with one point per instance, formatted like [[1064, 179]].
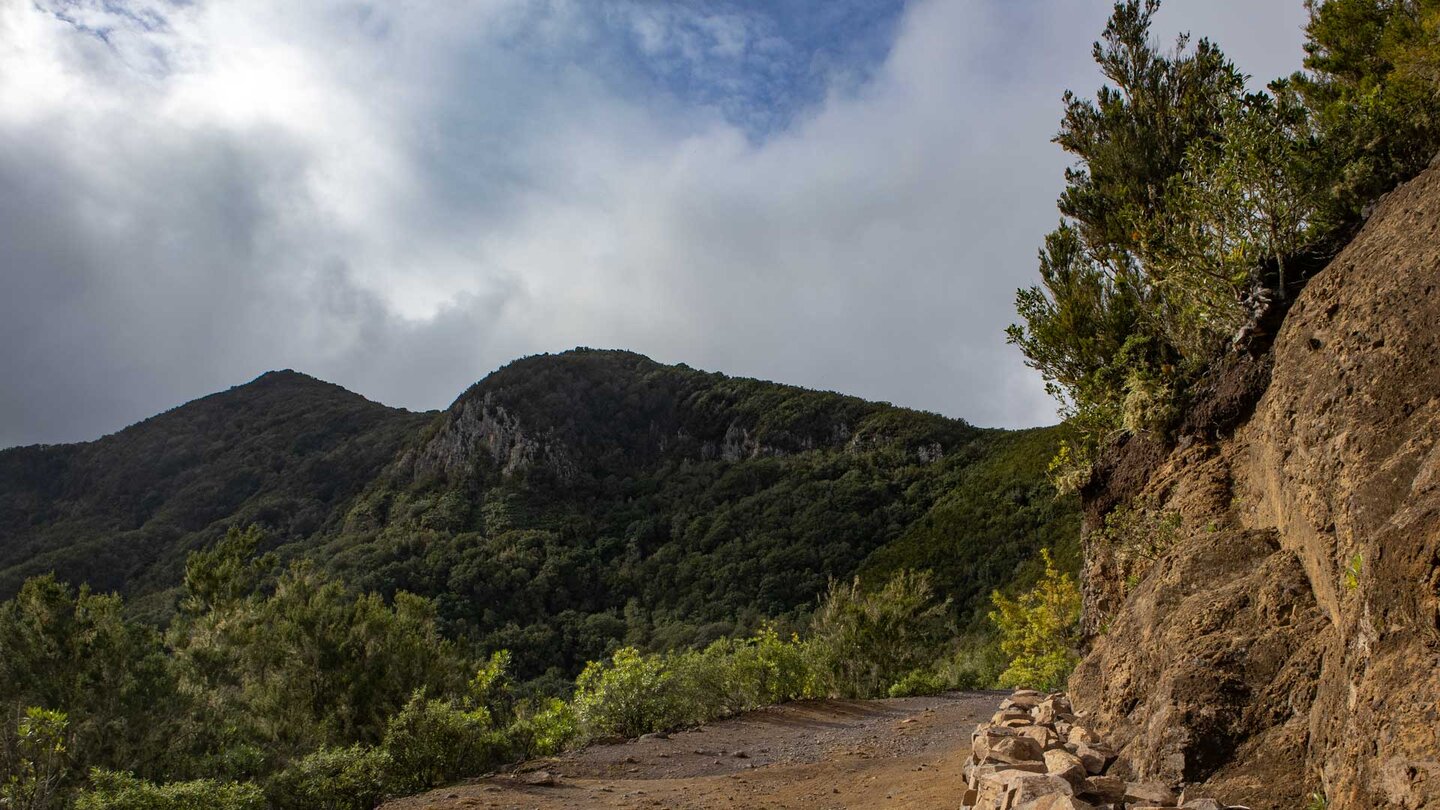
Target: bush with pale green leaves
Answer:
[[34, 760], [112, 790], [353, 778], [431, 742], [863, 641], [1039, 631], [630, 695]]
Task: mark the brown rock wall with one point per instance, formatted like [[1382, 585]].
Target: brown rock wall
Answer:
[[1286, 636]]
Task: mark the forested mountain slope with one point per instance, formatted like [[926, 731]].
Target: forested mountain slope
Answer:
[[286, 451], [562, 504], [573, 499]]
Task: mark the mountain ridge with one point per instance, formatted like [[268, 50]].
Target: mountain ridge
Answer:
[[562, 503]]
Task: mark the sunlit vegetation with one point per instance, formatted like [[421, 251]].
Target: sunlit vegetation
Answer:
[[1196, 205], [1039, 630], [288, 689]]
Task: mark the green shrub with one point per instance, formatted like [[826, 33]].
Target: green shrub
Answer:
[[544, 729], [33, 762], [353, 778], [1138, 534], [309, 666], [112, 790], [771, 669], [433, 742], [635, 694], [976, 663], [862, 641], [919, 682], [629, 696], [75, 651], [1150, 404], [734, 675], [1353, 570], [1038, 630]]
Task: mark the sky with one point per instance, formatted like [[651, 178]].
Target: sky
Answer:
[[400, 196]]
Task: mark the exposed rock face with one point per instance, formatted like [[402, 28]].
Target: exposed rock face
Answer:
[[567, 415], [1286, 639], [481, 428]]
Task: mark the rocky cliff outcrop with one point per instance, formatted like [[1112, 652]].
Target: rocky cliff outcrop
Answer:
[[1263, 593], [593, 411]]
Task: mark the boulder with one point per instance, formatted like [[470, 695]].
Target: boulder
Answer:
[[973, 772], [985, 738], [1149, 793], [1055, 801], [1025, 702], [1047, 738], [1067, 766], [1015, 749], [1103, 789], [1006, 716], [1031, 786], [1081, 734], [542, 779], [1203, 804], [992, 786], [1095, 758]]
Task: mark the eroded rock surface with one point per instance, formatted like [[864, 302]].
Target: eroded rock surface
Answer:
[[1263, 594]]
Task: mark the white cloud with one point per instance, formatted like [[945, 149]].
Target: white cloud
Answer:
[[401, 197]]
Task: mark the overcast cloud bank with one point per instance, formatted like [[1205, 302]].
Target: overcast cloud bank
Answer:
[[400, 197]]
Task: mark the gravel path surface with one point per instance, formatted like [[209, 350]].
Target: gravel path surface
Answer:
[[903, 752]]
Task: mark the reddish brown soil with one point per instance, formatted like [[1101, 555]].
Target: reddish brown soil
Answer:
[[905, 752]]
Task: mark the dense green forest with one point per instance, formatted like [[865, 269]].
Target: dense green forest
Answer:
[[669, 507], [321, 601], [286, 451], [562, 506]]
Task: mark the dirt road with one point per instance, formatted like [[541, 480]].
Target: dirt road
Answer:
[[905, 752]]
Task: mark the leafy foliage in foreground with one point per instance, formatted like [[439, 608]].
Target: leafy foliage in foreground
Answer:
[[301, 694], [1039, 630]]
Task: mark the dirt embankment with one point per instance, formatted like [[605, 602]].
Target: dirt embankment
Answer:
[[900, 753], [1266, 618]]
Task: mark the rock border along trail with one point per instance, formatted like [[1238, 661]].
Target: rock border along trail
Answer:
[[1036, 753], [947, 751]]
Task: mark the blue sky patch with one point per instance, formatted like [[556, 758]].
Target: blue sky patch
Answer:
[[758, 63]]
